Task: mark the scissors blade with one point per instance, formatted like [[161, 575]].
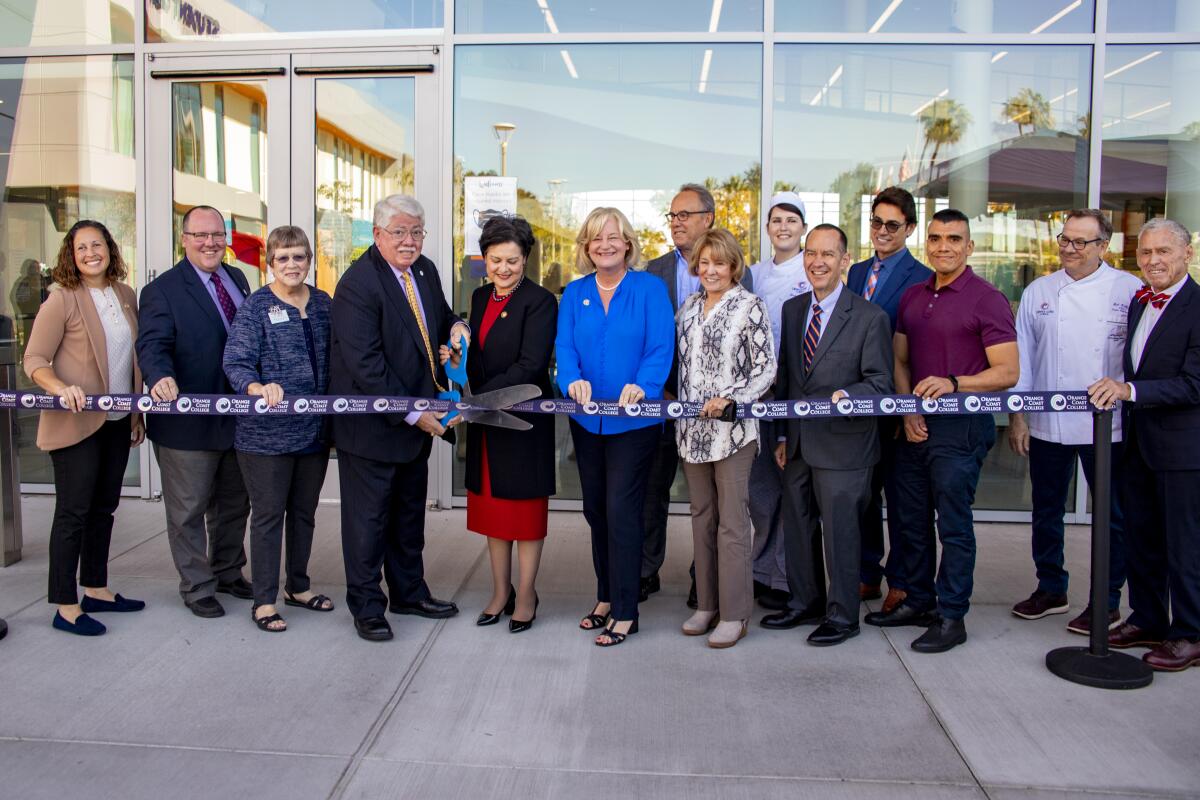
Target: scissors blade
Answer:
[[506, 397], [497, 419]]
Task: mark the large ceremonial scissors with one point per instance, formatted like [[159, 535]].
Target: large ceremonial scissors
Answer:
[[491, 404]]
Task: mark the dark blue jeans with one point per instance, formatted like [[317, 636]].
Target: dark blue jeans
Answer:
[[940, 475], [1051, 466]]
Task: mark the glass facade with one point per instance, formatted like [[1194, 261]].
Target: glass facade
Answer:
[[982, 105]]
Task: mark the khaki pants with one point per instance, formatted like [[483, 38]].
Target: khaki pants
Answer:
[[722, 534]]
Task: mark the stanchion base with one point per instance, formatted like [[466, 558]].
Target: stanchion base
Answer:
[[1112, 671]]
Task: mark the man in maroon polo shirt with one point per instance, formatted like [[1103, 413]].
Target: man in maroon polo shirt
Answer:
[[954, 332]]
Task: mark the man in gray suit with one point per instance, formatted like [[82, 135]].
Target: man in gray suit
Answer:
[[693, 211], [836, 345]]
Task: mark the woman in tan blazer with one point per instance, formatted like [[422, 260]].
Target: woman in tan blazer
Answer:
[[82, 343]]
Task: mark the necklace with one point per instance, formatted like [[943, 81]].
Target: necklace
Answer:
[[499, 297], [612, 288]]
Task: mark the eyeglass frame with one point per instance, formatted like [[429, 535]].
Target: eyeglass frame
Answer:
[[208, 236], [891, 225], [417, 234], [684, 216], [1063, 241]]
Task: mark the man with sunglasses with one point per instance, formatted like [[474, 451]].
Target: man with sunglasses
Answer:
[[693, 211], [1071, 331], [882, 279]]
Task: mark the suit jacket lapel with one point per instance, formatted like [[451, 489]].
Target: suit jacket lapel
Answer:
[[1175, 310], [1135, 316], [94, 328], [895, 281], [833, 326], [395, 294], [199, 292]]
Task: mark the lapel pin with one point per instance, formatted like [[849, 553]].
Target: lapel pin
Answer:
[[503, 314], [421, 272], [587, 302]]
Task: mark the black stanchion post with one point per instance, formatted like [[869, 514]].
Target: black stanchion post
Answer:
[[1095, 665]]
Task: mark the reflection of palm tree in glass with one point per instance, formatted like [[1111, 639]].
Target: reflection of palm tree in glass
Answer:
[[944, 122], [1028, 108]]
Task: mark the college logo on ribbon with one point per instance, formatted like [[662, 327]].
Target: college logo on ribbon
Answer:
[[29, 401], [971, 403], [675, 410], [1015, 402], [341, 404], [590, 407], [802, 408], [929, 405], [380, 404], [633, 410], [1058, 402], [223, 405], [845, 405], [260, 405], [548, 406], [418, 405], [183, 405], [758, 409], [104, 402], [145, 403], [887, 405], [300, 406]]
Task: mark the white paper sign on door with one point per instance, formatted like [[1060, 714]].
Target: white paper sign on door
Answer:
[[484, 197]]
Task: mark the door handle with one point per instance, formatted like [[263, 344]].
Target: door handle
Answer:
[[396, 69], [253, 72]]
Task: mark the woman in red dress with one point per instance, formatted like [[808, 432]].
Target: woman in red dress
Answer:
[[510, 474]]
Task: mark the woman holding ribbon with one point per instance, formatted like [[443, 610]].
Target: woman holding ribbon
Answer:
[[81, 343], [510, 473], [278, 346], [615, 342]]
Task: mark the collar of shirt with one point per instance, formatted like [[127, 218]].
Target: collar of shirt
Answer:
[[958, 284], [1174, 288], [685, 282], [827, 305], [205, 277], [891, 260]]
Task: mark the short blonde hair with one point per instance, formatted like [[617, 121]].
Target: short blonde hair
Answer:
[[287, 236], [721, 246], [591, 228]]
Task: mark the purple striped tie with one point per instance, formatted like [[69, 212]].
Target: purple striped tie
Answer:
[[812, 337]]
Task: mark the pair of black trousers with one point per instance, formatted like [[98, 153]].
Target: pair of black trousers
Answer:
[[383, 529], [657, 506], [284, 491], [612, 474], [87, 488], [873, 568]]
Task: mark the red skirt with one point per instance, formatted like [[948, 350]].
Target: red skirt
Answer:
[[513, 520]]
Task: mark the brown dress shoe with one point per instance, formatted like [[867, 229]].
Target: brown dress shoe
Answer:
[[1174, 655], [1083, 623], [894, 598], [1125, 635], [868, 591]]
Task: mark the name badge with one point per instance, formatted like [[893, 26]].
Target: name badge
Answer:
[[277, 315]]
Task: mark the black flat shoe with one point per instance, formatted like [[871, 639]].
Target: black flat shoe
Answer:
[[517, 625], [93, 605], [240, 588], [206, 607], [615, 638], [943, 635], [790, 618], [373, 629], [82, 626], [491, 619], [903, 614], [829, 633], [430, 608]]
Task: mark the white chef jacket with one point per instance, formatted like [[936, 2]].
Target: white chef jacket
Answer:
[[1071, 334], [778, 283]]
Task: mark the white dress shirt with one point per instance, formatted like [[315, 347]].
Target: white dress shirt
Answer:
[[778, 283], [118, 342], [1150, 318], [1070, 334]]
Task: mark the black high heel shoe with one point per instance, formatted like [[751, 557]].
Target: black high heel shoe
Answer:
[[517, 625], [491, 619]]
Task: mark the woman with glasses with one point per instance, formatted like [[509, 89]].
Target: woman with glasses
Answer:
[[615, 342], [279, 347], [81, 343]]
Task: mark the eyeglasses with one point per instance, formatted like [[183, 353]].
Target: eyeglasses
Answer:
[[684, 216], [400, 234], [1076, 244], [891, 226], [296, 258], [216, 238]]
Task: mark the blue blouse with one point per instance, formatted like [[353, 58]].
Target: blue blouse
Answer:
[[633, 343], [260, 351]]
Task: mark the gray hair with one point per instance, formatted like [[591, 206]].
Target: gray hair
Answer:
[[706, 198], [1162, 223], [395, 204]]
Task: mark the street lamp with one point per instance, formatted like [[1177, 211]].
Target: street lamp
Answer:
[[503, 131], [554, 184]]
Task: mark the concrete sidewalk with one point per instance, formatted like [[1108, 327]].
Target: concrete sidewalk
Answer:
[[170, 706]]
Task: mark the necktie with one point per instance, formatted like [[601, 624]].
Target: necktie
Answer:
[[1146, 295], [410, 292], [223, 298], [873, 280], [812, 337]]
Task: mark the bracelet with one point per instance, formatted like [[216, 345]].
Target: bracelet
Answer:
[[953, 382]]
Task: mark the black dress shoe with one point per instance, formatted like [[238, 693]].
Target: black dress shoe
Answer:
[[903, 614], [829, 633], [648, 586], [239, 588], [791, 618], [518, 625], [775, 599], [92, 605], [373, 629], [3, 629], [429, 607], [206, 607], [485, 618], [941, 636], [692, 602]]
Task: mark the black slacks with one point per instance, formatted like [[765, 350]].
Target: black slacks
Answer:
[[383, 528], [87, 489], [612, 474]]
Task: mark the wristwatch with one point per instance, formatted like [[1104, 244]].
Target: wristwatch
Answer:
[[953, 382]]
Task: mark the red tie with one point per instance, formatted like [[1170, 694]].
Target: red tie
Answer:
[[812, 337], [1146, 295]]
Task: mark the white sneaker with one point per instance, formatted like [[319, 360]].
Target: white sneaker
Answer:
[[700, 623], [727, 633]]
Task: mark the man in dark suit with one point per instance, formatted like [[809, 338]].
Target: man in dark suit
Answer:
[[182, 325], [1161, 422], [693, 211], [882, 279], [389, 316], [835, 344]]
